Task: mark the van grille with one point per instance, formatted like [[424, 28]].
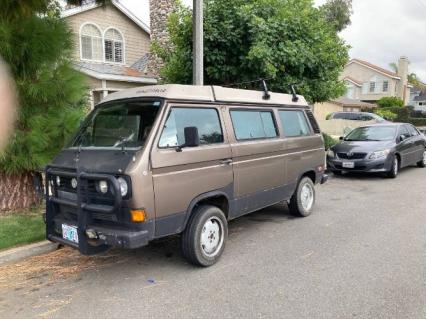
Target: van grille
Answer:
[[313, 122]]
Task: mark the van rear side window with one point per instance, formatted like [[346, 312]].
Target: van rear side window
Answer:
[[294, 123], [252, 124], [205, 119]]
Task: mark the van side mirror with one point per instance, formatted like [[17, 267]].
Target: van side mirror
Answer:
[[192, 139]]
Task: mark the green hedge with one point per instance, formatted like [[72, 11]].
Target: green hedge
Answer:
[[329, 141], [417, 121]]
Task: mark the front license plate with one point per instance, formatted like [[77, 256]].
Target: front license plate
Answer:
[[348, 164], [70, 233]]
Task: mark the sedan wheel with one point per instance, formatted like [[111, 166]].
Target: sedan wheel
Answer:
[[394, 169]]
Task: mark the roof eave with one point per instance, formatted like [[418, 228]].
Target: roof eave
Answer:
[[117, 4], [116, 77], [374, 69]]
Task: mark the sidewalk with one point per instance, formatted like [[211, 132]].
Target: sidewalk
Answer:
[[19, 253]]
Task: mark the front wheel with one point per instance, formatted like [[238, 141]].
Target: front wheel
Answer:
[[303, 200], [203, 240], [422, 163], [393, 173]]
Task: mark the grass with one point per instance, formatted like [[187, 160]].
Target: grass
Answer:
[[21, 228]]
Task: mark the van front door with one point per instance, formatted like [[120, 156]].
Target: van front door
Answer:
[[182, 174]]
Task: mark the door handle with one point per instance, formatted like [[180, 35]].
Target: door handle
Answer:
[[226, 161]]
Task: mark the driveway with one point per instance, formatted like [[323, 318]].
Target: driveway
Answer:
[[362, 254]]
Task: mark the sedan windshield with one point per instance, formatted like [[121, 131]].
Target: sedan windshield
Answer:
[[118, 124], [372, 133]]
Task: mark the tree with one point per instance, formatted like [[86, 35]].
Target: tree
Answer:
[[36, 44], [390, 101], [412, 77], [284, 41], [338, 13]]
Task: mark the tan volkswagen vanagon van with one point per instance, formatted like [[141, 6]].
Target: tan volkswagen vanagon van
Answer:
[[155, 161]]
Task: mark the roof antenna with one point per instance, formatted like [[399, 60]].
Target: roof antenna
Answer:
[[266, 95], [293, 92]]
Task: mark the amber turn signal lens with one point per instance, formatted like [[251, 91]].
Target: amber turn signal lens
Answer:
[[137, 215]]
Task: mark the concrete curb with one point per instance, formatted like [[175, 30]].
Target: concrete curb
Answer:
[[19, 253]]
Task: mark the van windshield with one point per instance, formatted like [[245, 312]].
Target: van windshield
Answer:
[[118, 124]]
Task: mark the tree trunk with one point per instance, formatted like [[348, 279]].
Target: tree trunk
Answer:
[[17, 191]]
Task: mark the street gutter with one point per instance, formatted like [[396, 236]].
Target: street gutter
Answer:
[[19, 253]]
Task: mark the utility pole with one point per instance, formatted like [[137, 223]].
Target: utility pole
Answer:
[[198, 43]]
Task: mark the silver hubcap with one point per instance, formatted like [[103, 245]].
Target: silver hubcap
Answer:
[[424, 157], [212, 237], [307, 196], [395, 166]]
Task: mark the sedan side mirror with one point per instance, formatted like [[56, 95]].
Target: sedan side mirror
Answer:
[[341, 138], [402, 138]]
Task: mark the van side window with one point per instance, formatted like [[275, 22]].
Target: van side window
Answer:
[[294, 123], [253, 124], [205, 119]]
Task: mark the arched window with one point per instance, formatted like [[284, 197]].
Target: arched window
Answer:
[[91, 42], [113, 44]]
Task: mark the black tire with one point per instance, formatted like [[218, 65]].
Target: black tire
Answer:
[[422, 163], [393, 172], [296, 206], [192, 248]]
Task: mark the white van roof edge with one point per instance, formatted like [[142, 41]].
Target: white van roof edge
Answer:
[[206, 94]]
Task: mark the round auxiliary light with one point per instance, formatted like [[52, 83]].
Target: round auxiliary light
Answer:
[[74, 183], [58, 181], [123, 186], [103, 187]]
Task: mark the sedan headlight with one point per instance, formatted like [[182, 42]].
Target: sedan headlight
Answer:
[[123, 186], [330, 153], [379, 154]]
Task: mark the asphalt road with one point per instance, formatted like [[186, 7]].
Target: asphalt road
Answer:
[[362, 254]]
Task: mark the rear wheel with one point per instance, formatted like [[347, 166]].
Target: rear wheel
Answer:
[[394, 168], [422, 163], [303, 199], [203, 240]]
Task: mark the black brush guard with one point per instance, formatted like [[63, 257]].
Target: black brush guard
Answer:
[[82, 206]]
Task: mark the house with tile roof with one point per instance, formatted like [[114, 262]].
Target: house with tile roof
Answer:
[[112, 45], [369, 83]]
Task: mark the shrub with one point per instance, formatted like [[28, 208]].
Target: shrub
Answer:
[[329, 141], [386, 114], [417, 121], [390, 101]]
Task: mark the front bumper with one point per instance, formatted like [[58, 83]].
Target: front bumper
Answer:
[[106, 223], [363, 165], [104, 236]]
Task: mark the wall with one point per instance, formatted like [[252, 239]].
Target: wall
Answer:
[[137, 41], [337, 128], [321, 110]]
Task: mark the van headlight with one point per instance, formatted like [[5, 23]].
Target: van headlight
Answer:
[[330, 153], [379, 154], [123, 186]]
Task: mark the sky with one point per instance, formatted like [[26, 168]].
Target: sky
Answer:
[[381, 30]]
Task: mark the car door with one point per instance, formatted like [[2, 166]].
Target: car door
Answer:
[[258, 159], [182, 174], [418, 143], [405, 146]]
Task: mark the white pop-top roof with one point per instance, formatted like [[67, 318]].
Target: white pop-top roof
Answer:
[[206, 94]]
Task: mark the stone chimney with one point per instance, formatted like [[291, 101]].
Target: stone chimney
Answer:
[[403, 83], [159, 14]]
